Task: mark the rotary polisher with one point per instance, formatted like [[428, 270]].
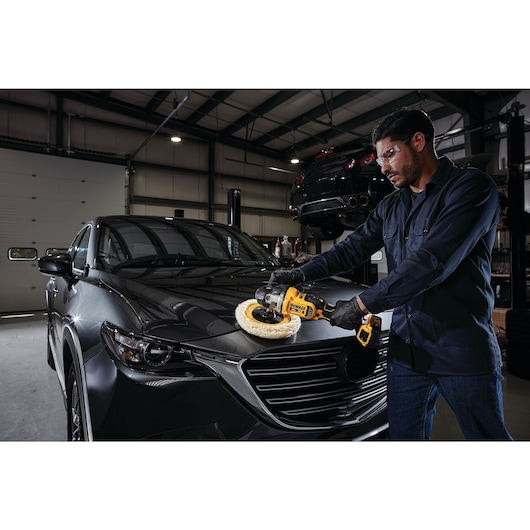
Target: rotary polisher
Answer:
[[277, 310]]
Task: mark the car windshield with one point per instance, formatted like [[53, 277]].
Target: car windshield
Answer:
[[147, 243]]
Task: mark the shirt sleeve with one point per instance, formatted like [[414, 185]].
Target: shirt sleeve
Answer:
[[351, 252], [470, 211]]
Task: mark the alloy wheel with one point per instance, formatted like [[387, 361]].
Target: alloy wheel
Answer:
[[75, 414]]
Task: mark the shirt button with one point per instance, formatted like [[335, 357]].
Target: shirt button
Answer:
[[409, 316]]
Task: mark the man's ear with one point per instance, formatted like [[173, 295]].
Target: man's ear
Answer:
[[418, 141]]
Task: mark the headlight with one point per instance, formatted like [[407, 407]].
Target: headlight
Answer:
[[143, 353]]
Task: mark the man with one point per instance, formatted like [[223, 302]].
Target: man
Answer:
[[438, 229]]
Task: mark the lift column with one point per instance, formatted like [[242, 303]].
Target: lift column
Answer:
[[518, 318]]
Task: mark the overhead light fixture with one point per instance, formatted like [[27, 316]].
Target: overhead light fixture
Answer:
[[454, 131], [273, 168], [295, 160], [176, 139]]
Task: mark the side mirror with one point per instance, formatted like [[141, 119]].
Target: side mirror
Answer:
[[56, 265]]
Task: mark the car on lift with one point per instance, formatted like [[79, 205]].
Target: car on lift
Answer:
[[336, 189], [143, 337]]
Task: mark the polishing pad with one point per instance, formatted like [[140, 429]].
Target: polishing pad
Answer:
[[288, 326]]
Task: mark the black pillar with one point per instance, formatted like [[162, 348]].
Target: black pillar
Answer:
[[516, 214], [234, 208]]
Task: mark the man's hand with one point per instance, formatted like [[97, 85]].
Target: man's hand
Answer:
[[287, 276], [347, 314]]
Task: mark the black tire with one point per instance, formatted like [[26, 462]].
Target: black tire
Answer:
[[74, 409]]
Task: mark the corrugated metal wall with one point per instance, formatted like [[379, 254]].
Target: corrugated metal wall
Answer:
[[44, 201]]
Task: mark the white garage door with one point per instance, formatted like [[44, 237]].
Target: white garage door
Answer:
[[44, 201]]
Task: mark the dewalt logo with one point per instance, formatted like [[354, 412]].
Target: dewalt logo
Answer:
[[300, 309]]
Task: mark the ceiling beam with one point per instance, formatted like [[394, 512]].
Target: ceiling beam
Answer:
[[344, 98], [405, 101], [133, 111], [208, 106], [157, 100], [258, 112]]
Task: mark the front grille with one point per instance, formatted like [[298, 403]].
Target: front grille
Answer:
[[303, 387]]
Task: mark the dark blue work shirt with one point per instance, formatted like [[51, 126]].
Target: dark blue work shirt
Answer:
[[438, 249]]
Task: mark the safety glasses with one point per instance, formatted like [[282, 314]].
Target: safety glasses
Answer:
[[388, 155]]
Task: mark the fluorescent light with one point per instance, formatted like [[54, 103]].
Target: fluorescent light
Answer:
[[176, 139]]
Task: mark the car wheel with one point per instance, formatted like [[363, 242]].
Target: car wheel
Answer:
[[74, 409], [327, 230]]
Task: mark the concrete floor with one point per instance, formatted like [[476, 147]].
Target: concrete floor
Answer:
[[31, 405]]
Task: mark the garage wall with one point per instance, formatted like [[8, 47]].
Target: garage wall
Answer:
[[44, 202], [167, 176]]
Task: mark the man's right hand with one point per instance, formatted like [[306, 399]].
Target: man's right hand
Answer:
[[287, 277]]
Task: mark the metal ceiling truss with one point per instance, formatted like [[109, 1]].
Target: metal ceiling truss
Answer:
[[473, 105]]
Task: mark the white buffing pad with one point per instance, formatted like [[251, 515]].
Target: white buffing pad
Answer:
[[281, 330]]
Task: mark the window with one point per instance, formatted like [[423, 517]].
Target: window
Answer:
[[22, 254], [80, 249], [54, 251]]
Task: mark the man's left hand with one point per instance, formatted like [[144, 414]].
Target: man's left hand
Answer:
[[347, 314]]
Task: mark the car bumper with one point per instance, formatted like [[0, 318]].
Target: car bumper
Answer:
[[227, 402], [207, 411]]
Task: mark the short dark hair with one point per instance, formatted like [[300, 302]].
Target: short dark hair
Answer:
[[402, 124]]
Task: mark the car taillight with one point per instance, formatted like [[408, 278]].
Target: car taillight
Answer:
[[324, 153], [299, 179], [350, 164], [367, 160]]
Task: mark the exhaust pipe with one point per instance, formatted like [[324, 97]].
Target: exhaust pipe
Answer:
[[295, 213], [364, 200]]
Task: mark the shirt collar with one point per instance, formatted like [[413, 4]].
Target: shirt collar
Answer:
[[442, 172]]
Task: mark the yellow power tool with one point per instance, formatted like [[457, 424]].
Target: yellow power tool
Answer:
[[277, 309]]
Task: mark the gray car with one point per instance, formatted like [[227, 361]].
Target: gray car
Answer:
[[142, 335]]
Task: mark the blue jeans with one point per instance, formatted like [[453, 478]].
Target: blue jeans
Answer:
[[476, 401]]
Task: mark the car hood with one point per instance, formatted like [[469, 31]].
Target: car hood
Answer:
[[197, 306]]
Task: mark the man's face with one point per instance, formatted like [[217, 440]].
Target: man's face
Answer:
[[399, 163]]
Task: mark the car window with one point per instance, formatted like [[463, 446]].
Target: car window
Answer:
[[174, 241], [80, 249], [125, 243], [213, 246], [112, 248], [22, 254]]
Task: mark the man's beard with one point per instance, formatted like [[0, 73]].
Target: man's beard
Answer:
[[409, 174]]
